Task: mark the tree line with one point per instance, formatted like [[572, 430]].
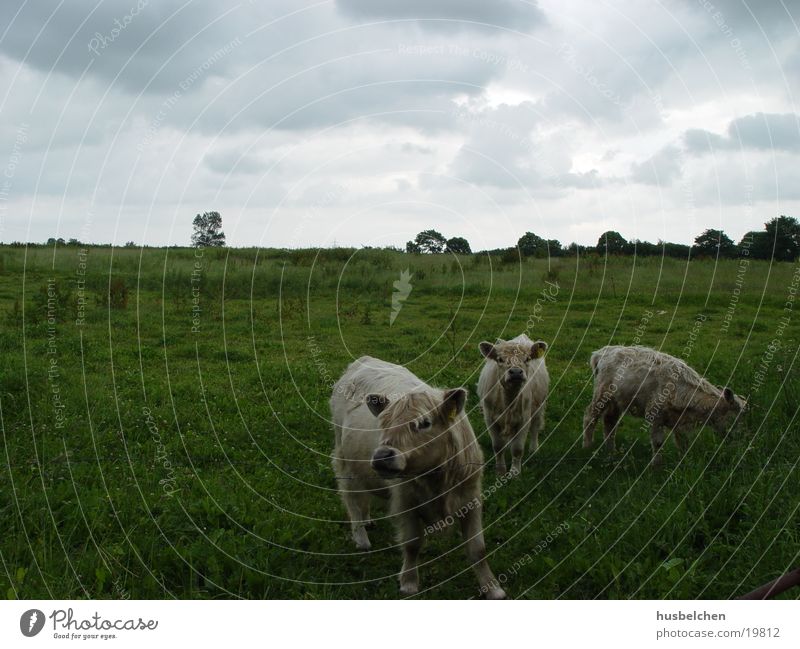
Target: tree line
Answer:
[[779, 240]]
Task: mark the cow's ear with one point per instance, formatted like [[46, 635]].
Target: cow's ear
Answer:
[[538, 349], [376, 403], [488, 350], [453, 403], [728, 394]]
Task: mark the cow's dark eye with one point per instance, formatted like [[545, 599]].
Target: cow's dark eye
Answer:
[[424, 424]]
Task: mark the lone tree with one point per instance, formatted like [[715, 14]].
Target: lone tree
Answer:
[[714, 243], [458, 245], [430, 241], [530, 244], [784, 231], [208, 230], [612, 243]]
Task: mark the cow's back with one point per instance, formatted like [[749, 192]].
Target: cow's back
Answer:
[[640, 374], [368, 375], [356, 429]]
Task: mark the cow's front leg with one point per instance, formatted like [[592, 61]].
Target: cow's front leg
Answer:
[[537, 424], [472, 531], [499, 448], [357, 504], [411, 540], [590, 417], [517, 447]]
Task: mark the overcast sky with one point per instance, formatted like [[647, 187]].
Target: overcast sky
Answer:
[[362, 122]]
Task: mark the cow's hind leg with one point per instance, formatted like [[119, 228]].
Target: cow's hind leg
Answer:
[[611, 419], [472, 532], [657, 440], [681, 442]]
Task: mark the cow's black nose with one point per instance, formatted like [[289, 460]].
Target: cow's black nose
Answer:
[[516, 374], [383, 454]]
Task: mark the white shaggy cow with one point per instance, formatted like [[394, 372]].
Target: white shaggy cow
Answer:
[[513, 389], [397, 436], [662, 389]]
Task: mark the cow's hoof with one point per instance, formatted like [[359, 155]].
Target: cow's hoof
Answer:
[[496, 593], [409, 589]]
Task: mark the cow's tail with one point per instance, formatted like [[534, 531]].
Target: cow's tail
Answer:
[[594, 361]]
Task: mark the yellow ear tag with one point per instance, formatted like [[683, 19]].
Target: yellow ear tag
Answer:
[[538, 353], [452, 415]]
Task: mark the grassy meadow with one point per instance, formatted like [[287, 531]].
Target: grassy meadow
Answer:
[[165, 423]]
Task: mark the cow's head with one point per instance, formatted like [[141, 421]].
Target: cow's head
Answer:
[[512, 360], [415, 437], [727, 411]]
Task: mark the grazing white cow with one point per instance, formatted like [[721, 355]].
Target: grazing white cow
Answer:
[[513, 388], [662, 389], [397, 436]]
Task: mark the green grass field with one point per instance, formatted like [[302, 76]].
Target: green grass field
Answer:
[[176, 442]]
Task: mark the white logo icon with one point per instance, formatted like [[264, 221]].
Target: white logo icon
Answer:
[[31, 622], [402, 289]]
